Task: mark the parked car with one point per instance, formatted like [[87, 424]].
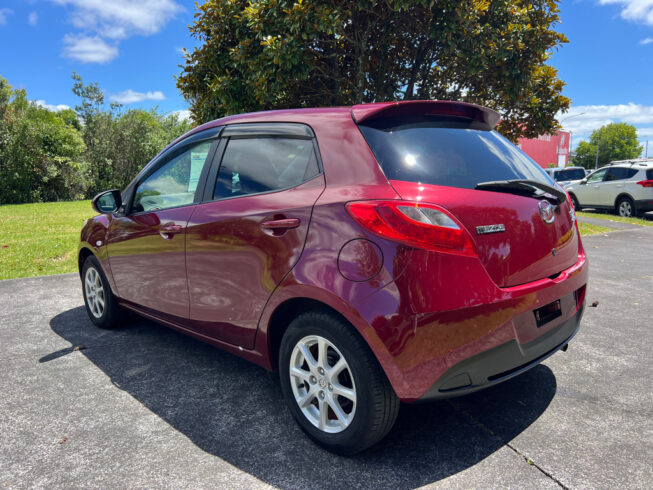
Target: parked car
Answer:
[[624, 187], [565, 175], [371, 254]]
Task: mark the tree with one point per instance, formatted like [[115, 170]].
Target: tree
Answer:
[[120, 143], [41, 156], [616, 141], [268, 54]]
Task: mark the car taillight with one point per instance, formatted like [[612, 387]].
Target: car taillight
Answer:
[[416, 224], [646, 183]]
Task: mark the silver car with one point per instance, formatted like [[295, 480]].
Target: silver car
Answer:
[[625, 187]]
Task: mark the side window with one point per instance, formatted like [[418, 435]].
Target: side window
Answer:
[[596, 177], [630, 173], [174, 184], [254, 165], [620, 173]]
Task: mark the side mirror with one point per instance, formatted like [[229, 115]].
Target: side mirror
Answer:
[[584, 181], [107, 201]]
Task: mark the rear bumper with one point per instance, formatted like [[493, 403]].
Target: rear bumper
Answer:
[[644, 205], [445, 329], [502, 362]]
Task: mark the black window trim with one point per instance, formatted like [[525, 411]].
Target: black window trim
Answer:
[[255, 130], [169, 154]]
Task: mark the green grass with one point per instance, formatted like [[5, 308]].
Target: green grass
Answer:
[[40, 239], [612, 217], [588, 229]]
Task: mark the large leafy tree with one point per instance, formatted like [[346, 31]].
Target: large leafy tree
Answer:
[[41, 154], [616, 141], [267, 54]]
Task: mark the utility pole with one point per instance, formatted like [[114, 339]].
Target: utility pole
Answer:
[[646, 149], [598, 145]]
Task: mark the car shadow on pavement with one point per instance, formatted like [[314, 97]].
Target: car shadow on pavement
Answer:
[[232, 409]]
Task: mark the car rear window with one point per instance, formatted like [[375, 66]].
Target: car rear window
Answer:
[[570, 174], [447, 151]]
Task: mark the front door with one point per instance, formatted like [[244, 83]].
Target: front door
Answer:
[[588, 194], [147, 246], [240, 245]]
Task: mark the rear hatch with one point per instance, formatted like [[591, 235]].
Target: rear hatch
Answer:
[[522, 232]]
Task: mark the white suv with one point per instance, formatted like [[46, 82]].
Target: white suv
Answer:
[[625, 187]]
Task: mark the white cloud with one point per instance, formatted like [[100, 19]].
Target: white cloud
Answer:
[[88, 49], [33, 18], [51, 107], [3, 16], [183, 115], [583, 119], [634, 10], [129, 96], [648, 40], [113, 20], [119, 19]]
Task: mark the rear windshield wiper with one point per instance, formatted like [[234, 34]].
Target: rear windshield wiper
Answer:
[[524, 187]]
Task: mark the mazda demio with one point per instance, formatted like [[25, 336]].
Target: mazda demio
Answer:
[[372, 255]]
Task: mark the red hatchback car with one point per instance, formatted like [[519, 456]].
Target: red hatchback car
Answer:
[[371, 254]]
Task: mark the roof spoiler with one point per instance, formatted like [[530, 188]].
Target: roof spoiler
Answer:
[[380, 110]]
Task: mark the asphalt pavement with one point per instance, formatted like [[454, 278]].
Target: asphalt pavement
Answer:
[[144, 406]]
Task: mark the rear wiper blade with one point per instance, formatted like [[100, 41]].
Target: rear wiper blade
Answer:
[[524, 185]]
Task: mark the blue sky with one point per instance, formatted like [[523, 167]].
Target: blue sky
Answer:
[[132, 49]]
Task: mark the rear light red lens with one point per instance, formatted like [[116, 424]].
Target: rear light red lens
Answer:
[[424, 226], [646, 183]]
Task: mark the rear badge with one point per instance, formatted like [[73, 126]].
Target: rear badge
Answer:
[[546, 211], [484, 230]]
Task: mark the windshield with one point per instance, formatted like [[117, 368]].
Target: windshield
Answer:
[[447, 151]]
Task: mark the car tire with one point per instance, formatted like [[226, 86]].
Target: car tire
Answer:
[[625, 207], [101, 305], [340, 397], [575, 203]]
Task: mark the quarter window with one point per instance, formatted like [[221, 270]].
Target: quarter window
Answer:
[[174, 184], [255, 165]]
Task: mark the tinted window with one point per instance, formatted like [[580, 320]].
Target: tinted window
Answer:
[[254, 165], [447, 151], [620, 173], [174, 184], [649, 174], [570, 174]]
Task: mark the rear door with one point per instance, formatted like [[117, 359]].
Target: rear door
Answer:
[[614, 184], [147, 245], [251, 229]]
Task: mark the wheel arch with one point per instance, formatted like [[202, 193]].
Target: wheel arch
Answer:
[[285, 313], [621, 196], [84, 253]]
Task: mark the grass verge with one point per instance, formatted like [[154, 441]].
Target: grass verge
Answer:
[[40, 239], [617, 219], [588, 229]]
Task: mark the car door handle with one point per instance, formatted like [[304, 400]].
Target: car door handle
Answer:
[[596, 186], [169, 230], [280, 224], [619, 186]]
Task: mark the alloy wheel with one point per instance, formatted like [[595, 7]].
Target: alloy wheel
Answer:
[[94, 290], [625, 209], [322, 384]]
